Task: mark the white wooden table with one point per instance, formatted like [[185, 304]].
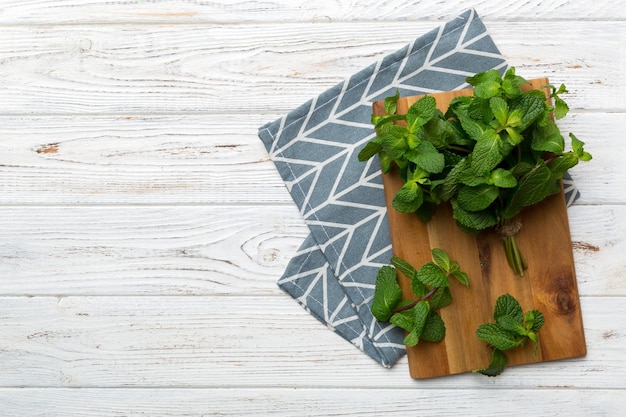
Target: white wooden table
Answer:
[[143, 227]]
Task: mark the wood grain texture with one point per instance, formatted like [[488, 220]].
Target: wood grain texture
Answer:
[[286, 402], [143, 159], [237, 68], [178, 250], [233, 342], [146, 11], [146, 250]]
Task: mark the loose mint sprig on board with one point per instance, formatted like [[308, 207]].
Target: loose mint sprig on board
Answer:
[[431, 287], [512, 328], [489, 155]]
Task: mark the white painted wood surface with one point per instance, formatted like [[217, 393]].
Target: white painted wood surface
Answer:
[[143, 228]]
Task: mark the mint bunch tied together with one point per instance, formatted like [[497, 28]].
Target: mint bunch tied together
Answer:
[[490, 155]]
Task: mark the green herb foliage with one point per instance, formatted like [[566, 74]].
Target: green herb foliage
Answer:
[[512, 328], [490, 155], [431, 286]]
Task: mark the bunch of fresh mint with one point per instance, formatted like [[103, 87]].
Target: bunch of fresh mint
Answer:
[[490, 155], [431, 288]]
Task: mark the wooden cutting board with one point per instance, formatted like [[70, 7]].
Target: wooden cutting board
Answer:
[[549, 283]]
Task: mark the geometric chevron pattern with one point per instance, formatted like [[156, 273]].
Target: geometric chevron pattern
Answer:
[[315, 150]]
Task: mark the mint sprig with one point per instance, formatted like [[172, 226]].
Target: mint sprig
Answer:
[[430, 285], [512, 328], [489, 155]]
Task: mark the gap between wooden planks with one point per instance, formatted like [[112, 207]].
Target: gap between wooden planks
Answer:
[[549, 284]]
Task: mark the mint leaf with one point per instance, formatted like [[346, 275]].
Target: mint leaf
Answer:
[[477, 220], [441, 132], [513, 137], [384, 123], [369, 150], [548, 138], [497, 364], [477, 198], [482, 77], [511, 324], [487, 89], [532, 188], [385, 162], [404, 267], [404, 319], [503, 178], [560, 108], [473, 128], [412, 338], [497, 337], [511, 83], [441, 298], [469, 178], [453, 179], [500, 109], [408, 198], [387, 294], [412, 320], [418, 288], [420, 113], [421, 311], [560, 166], [577, 147], [531, 106], [393, 143], [486, 155], [461, 276], [427, 209], [441, 258], [431, 275], [534, 319], [434, 328], [391, 103], [412, 141], [515, 118], [427, 157], [507, 305]]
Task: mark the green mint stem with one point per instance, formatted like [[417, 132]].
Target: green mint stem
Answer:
[[458, 148], [514, 256], [508, 229], [414, 303]]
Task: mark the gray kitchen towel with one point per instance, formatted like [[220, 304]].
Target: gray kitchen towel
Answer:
[[315, 147]]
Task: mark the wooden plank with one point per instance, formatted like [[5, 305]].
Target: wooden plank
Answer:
[[144, 159], [549, 284], [232, 342], [147, 250], [146, 11], [257, 68], [206, 159], [313, 402], [173, 250]]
